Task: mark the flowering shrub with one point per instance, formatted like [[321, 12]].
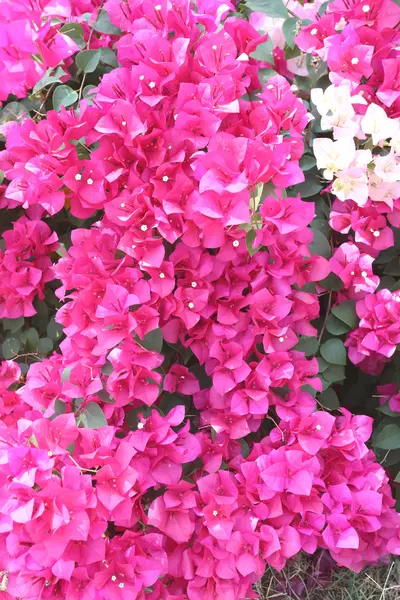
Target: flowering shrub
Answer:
[[199, 305]]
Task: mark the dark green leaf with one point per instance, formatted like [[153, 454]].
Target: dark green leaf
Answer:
[[108, 57], [30, 338], [272, 8], [105, 397], [323, 365], [54, 330], [10, 348], [388, 438], [289, 29], [152, 340], [393, 267], [307, 162], [169, 401], [334, 373], [346, 312], [332, 282], [94, 416], [336, 326], [329, 399], [87, 60], [12, 325], [308, 345], [385, 410], [104, 25], [320, 244], [308, 188], [64, 96], [204, 379], [75, 32], [45, 345], [334, 352]]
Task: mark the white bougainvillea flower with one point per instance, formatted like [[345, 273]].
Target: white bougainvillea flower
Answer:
[[388, 167], [335, 105], [333, 157], [352, 185], [377, 124]]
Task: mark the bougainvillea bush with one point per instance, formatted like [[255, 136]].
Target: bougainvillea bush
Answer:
[[199, 293]]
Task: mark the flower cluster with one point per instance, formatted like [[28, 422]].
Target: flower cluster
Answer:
[[139, 460], [25, 266], [378, 334]]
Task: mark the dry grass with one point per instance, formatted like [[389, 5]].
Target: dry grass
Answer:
[[302, 580]]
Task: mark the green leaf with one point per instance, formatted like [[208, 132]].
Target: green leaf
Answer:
[[108, 57], [346, 312], [385, 410], [94, 416], [10, 348], [105, 397], [152, 340], [88, 92], [13, 111], [64, 96], [332, 282], [12, 325], [308, 188], [250, 237], [307, 162], [54, 330], [273, 8], [334, 373], [201, 375], [75, 32], [49, 78], [308, 345], [388, 438], [334, 352], [329, 399], [320, 244], [45, 345], [104, 25], [87, 60], [323, 365], [289, 29], [66, 374], [169, 401], [263, 52], [316, 68], [30, 338], [265, 75], [336, 326], [59, 408]]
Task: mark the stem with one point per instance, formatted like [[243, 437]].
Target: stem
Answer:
[[326, 316]]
